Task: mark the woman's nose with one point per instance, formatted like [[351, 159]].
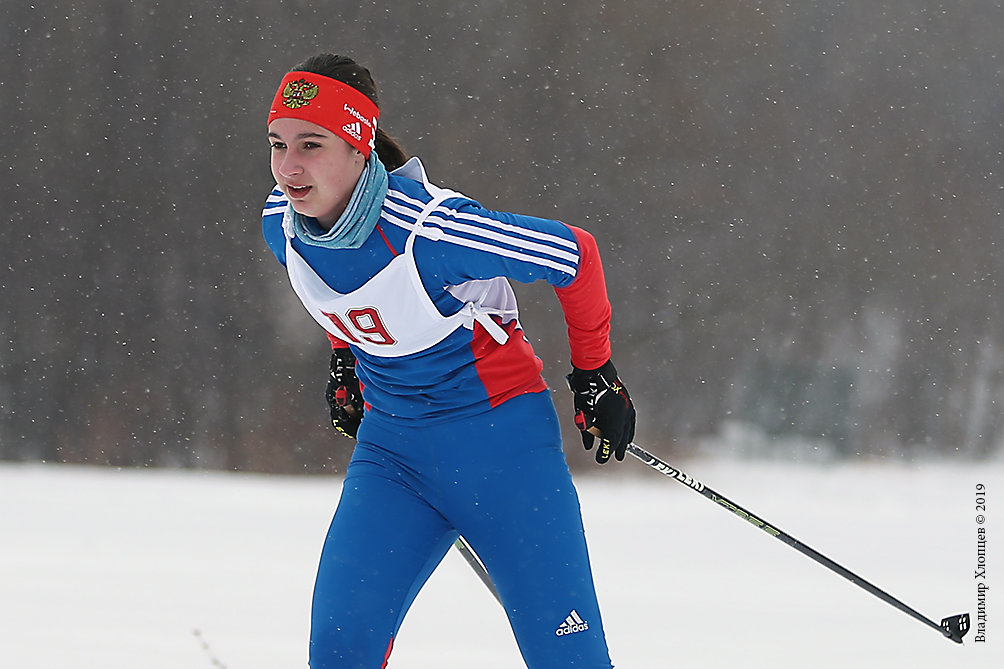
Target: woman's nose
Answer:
[[290, 164]]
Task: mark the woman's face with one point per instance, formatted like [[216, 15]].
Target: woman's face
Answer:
[[316, 169]]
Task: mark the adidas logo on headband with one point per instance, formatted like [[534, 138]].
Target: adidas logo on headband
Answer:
[[354, 129]]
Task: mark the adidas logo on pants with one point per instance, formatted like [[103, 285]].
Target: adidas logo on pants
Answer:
[[573, 623]]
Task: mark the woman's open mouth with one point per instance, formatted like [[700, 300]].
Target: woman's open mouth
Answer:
[[297, 192]]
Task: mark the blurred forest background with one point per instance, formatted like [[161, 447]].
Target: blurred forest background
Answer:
[[799, 206]]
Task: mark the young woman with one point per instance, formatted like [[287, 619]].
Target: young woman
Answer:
[[432, 374]]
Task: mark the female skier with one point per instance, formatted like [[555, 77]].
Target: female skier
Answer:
[[432, 374]]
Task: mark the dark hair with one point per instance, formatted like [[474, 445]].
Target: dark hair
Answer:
[[348, 71]]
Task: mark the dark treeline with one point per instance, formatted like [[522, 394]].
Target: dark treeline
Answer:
[[799, 206]]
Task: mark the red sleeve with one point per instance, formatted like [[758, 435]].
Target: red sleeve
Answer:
[[335, 341], [586, 307]]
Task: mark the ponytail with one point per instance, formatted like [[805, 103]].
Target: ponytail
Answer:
[[390, 151]]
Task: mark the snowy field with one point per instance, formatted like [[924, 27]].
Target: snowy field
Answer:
[[118, 569]]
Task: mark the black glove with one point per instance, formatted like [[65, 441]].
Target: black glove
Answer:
[[343, 394], [601, 401]]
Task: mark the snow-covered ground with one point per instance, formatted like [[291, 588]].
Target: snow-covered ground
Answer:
[[123, 569]]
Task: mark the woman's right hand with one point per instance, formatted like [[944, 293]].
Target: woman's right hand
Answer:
[[343, 395]]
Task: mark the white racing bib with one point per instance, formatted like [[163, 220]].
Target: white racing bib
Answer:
[[392, 315]]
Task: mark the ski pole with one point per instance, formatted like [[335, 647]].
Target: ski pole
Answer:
[[475, 563], [952, 627], [209, 651]]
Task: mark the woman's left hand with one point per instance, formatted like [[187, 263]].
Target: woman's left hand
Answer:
[[603, 409]]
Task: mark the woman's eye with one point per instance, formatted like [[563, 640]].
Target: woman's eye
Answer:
[[278, 145]]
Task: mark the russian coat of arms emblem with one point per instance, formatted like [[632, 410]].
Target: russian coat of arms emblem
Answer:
[[299, 93]]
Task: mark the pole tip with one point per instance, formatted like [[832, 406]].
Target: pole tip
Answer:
[[955, 627]]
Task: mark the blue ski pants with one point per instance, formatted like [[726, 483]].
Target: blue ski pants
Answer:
[[500, 479]]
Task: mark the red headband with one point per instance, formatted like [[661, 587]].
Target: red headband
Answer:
[[330, 104]]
